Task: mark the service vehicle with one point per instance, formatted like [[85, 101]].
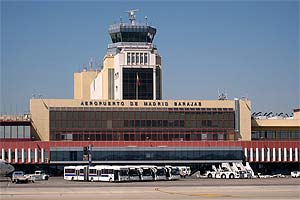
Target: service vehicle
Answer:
[[295, 174], [230, 170], [184, 171], [21, 177], [39, 175]]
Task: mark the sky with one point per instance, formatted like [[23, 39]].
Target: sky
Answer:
[[245, 48]]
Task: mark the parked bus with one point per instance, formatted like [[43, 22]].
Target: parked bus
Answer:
[[121, 173], [173, 173], [148, 173], [134, 173], [161, 173], [74, 173], [95, 172]]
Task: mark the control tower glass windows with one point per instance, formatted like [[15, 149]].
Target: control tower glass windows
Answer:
[[137, 58], [137, 83], [146, 58], [132, 58], [128, 58], [141, 58]]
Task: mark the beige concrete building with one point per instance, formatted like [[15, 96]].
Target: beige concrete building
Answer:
[[178, 116], [82, 83]]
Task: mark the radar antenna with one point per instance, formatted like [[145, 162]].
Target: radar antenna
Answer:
[[222, 95], [131, 14]]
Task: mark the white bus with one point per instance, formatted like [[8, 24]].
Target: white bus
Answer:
[[74, 173], [95, 172], [173, 173], [134, 173], [108, 173], [161, 173], [148, 173], [121, 173], [114, 173]]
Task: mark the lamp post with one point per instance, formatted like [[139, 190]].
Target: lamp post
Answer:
[[90, 154]]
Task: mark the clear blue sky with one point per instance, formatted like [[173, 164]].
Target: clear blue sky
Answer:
[[248, 48]]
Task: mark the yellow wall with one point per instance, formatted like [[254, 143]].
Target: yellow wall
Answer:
[[39, 110], [245, 120], [108, 63], [82, 82]]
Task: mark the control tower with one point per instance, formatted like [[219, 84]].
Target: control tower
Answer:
[[131, 66]]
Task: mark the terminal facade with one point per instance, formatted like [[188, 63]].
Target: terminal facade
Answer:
[[119, 111]]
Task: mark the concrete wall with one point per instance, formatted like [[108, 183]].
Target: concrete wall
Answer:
[[82, 83], [245, 120], [39, 110], [96, 87]]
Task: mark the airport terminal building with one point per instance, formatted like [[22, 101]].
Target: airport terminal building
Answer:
[[119, 112]]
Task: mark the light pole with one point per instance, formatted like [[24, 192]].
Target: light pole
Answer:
[[90, 154]]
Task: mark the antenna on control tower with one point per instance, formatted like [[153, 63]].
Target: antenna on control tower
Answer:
[[131, 14]]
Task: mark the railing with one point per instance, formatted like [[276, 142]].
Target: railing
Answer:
[[25, 117]]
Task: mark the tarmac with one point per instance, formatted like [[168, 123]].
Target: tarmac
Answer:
[[57, 188]]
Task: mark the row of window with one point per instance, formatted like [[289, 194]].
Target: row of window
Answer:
[[221, 135], [149, 155], [137, 58], [15, 132], [115, 115], [270, 154], [273, 134], [121, 124]]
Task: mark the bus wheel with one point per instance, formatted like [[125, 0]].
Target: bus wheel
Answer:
[[231, 176], [209, 176], [110, 180], [223, 176]]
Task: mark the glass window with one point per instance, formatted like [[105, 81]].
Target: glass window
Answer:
[[27, 132], [141, 58], [297, 135], [132, 90], [137, 58], [132, 58], [284, 135], [7, 131], [1, 131], [128, 58], [270, 134], [20, 131], [146, 58], [14, 130]]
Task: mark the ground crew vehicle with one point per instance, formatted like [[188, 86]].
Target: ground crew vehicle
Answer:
[[39, 175], [295, 174], [21, 177]]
